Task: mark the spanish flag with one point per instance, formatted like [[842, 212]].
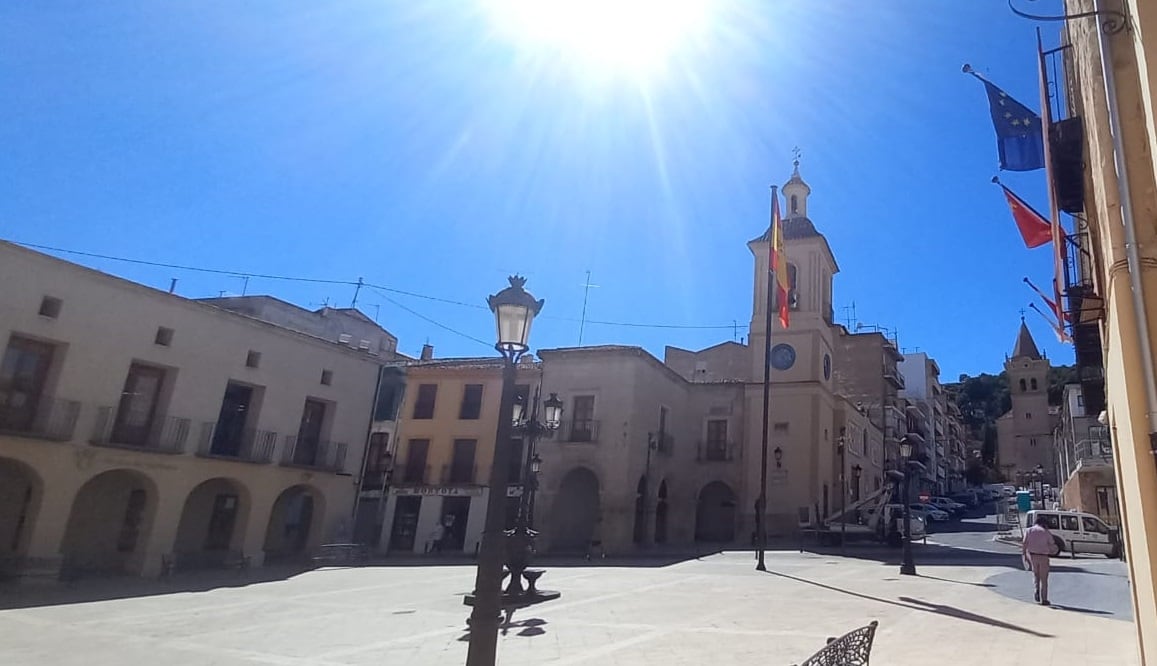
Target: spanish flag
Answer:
[[779, 262]]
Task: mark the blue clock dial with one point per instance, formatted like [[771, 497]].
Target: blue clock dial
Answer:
[[782, 356]]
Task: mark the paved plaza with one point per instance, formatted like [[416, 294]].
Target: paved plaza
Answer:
[[710, 610]]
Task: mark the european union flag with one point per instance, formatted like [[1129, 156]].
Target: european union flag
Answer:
[[1019, 132]]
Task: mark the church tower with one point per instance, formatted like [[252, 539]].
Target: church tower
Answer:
[[803, 351], [1024, 434], [802, 430]]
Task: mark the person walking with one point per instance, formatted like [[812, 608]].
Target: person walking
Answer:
[[1038, 545]]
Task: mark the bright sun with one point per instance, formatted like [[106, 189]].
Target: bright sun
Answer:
[[628, 36]]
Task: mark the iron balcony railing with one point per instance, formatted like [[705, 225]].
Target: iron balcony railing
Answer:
[[716, 451], [163, 433], [579, 430], [895, 376], [454, 474], [665, 443], [313, 453], [412, 474], [1094, 451], [47, 418], [247, 445]]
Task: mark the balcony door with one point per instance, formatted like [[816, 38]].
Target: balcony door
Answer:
[[138, 405], [309, 433], [230, 431], [23, 373]]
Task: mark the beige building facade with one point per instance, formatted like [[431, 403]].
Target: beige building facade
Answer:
[[1110, 83], [1084, 460], [139, 428], [444, 449]]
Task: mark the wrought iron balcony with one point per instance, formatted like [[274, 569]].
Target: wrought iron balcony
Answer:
[[412, 474], [665, 443], [247, 445], [313, 453], [162, 434], [579, 430], [716, 451], [46, 418], [894, 376], [459, 474]]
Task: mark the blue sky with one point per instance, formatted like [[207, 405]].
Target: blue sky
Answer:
[[419, 147]]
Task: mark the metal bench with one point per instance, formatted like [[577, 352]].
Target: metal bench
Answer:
[[208, 559], [851, 649]]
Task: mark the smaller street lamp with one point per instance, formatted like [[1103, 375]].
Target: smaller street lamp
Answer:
[[535, 464], [907, 566]]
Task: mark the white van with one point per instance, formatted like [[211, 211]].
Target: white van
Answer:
[[1079, 532]]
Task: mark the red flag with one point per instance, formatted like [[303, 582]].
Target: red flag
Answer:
[[779, 263], [1034, 228]]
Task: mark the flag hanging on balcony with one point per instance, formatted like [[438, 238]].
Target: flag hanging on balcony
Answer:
[[1019, 137], [1033, 227], [1058, 232], [778, 263]]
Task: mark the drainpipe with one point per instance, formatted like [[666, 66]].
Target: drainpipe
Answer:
[[1132, 256]]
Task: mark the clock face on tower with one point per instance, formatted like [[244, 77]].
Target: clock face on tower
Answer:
[[782, 356]]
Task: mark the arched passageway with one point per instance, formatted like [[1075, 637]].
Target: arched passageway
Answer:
[[576, 511], [109, 525], [294, 524], [20, 493], [715, 513], [213, 521]]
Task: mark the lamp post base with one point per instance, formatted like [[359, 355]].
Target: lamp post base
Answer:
[[908, 569]]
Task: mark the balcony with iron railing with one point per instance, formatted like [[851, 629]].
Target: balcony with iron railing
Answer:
[[459, 474], [717, 451], [161, 434], [246, 445], [313, 454], [665, 443], [47, 418], [893, 375], [1093, 452], [579, 431], [412, 474]]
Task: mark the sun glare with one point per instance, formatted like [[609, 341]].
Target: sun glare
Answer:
[[627, 36]]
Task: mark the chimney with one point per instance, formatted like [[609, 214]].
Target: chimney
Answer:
[[427, 352]]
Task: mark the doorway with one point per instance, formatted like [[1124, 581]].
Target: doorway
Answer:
[[405, 527], [231, 420], [138, 405], [309, 432], [455, 511]]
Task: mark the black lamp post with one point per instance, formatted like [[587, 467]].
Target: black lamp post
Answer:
[[907, 566], [514, 311], [520, 544], [857, 471]]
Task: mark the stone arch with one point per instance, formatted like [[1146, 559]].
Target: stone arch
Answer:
[[576, 515], [21, 490], [295, 524], [661, 513], [1023, 388], [715, 513], [214, 518], [109, 525]]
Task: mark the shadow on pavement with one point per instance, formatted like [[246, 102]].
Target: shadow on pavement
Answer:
[[960, 582], [916, 604], [1081, 610], [527, 628], [36, 594]]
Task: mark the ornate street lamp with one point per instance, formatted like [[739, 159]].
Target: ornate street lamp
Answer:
[[520, 544], [514, 311], [907, 566], [841, 450]]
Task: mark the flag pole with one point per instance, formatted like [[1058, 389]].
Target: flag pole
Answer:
[[1058, 232], [761, 509]]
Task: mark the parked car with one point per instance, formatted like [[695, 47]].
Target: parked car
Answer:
[[1078, 532], [946, 504], [929, 513], [968, 497]]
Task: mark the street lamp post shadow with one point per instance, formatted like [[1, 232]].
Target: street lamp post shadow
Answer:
[[907, 566], [514, 311]]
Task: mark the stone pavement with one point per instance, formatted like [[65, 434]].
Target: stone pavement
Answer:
[[715, 610]]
